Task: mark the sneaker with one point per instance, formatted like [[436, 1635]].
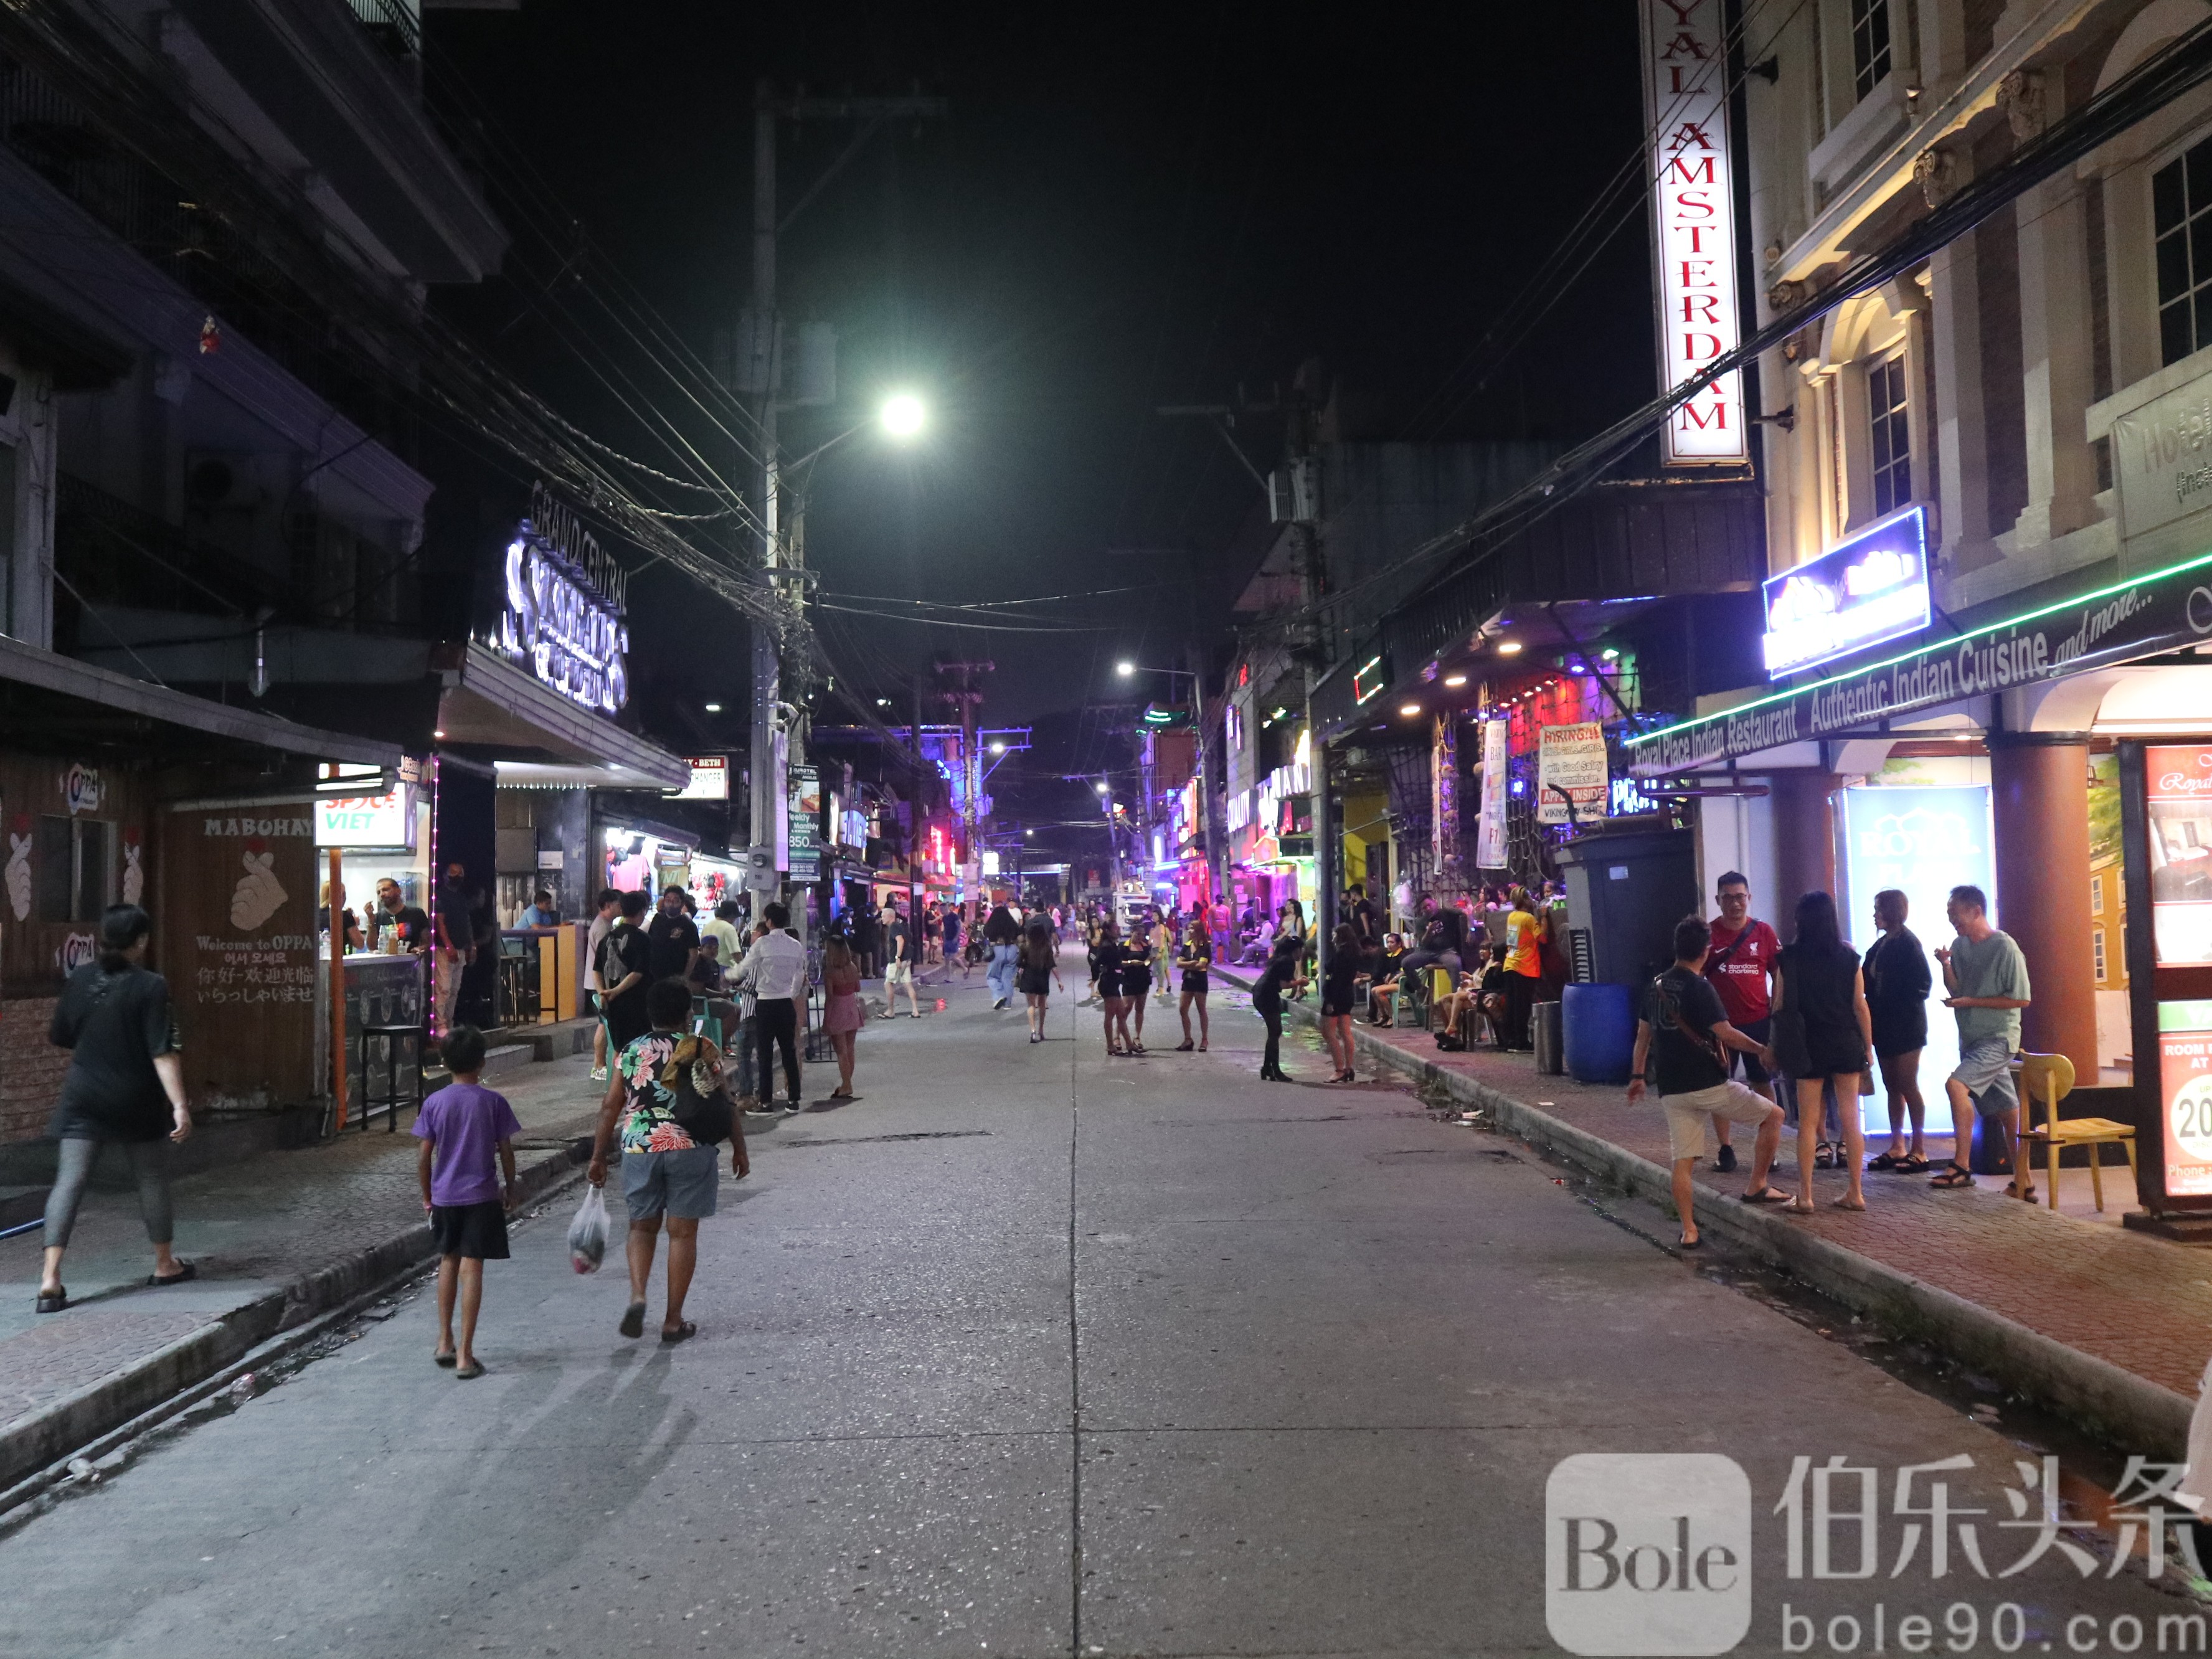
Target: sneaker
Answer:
[[598, 1074], [1724, 1160], [1000, 1003]]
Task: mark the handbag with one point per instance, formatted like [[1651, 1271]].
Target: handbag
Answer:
[[709, 1118]]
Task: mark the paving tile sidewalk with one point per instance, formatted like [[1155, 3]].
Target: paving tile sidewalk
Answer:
[[276, 1239], [2121, 1299]]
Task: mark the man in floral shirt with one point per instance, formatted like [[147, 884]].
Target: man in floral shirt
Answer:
[[665, 1172]]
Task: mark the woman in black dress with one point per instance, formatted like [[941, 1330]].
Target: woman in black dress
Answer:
[[125, 1083], [1196, 960], [1339, 990], [1898, 979], [1136, 982], [1822, 1031], [1281, 971], [1037, 970], [1106, 959]]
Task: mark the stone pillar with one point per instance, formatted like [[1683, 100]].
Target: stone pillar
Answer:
[[2040, 784], [1962, 468], [1804, 844], [2055, 352]]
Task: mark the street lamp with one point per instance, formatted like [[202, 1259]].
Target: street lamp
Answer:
[[903, 416]]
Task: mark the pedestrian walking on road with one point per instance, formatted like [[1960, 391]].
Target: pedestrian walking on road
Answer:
[[1196, 962], [1340, 993], [1280, 973], [1740, 965], [1136, 983], [1004, 935], [667, 1175], [610, 907], [624, 957], [775, 973], [950, 927], [1986, 977], [1683, 1039], [1039, 972], [464, 1127], [842, 1012], [898, 964], [1897, 986], [1822, 1033], [125, 1083]]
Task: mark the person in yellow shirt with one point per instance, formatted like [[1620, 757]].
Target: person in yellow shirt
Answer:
[[1524, 967]]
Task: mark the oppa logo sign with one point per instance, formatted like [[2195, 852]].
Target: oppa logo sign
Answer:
[[1647, 1553]]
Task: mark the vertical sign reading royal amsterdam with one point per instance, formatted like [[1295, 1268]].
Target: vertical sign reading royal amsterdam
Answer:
[[1693, 226]]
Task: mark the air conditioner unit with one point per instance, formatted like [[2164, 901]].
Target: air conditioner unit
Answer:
[[1294, 491]]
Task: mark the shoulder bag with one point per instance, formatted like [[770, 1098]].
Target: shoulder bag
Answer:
[[709, 1118]]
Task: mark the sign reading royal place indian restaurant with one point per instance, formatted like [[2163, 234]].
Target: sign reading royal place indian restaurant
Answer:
[[563, 619], [2160, 610]]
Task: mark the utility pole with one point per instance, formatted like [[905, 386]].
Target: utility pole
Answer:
[[758, 367], [966, 697]]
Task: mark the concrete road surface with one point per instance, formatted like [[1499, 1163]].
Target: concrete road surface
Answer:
[[1029, 1352]]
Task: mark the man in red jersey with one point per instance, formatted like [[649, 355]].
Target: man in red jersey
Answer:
[[1741, 966]]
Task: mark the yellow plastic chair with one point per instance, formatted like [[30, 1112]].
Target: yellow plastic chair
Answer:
[[2049, 1079]]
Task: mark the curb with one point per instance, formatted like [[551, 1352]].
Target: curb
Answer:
[[2130, 1411], [149, 1388]]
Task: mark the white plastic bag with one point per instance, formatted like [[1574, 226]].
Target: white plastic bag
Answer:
[[588, 1233]]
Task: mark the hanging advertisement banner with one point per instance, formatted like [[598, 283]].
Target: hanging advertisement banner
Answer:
[[1571, 774], [2178, 806], [805, 824], [1693, 226], [1489, 830]]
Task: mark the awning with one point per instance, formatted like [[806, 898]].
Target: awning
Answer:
[[488, 703], [545, 774], [57, 700]]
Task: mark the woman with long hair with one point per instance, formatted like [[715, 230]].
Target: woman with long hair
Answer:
[[1282, 970], [1107, 956], [1037, 970], [125, 1083], [1823, 1032], [1136, 982], [1290, 923], [1196, 961], [842, 1012], [1338, 994]]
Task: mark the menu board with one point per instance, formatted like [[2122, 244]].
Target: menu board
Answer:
[[2177, 801], [2184, 1055]]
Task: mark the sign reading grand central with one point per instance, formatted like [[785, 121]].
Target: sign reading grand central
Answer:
[[562, 616]]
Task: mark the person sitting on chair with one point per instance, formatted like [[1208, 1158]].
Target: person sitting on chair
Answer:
[[1384, 985]]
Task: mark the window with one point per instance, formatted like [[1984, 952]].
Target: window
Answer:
[[1892, 436], [2096, 896], [1869, 44], [2181, 213], [72, 881], [1236, 729], [2097, 945]]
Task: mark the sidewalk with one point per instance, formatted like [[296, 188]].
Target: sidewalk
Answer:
[[278, 1239], [2112, 1326]]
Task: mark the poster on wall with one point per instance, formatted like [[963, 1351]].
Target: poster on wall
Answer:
[[1922, 840], [239, 942], [2184, 1055], [2177, 801], [1570, 773], [1490, 831]]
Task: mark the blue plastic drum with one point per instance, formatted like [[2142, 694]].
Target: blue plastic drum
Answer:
[[1599, 1027]]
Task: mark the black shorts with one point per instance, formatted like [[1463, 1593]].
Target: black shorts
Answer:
[[1136, 984], [475, 1231], [1109, 985], [1755, 1073], [1194, 985]]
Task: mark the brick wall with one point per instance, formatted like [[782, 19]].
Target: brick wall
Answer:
[[30, 1068]]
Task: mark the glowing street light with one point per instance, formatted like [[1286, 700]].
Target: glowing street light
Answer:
[[902, 415], [1124, 669]]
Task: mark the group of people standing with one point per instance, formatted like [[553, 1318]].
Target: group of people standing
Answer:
[[1740, 1012], [1124, 970]]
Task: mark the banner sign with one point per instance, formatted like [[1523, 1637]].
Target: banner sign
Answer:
[[2160, 610], [1866, 591], [2177, 803], [2185, 1070], [1693, 226], [1570, 768], [385, 821], [804, 852], [710, 780], [1489, 830]]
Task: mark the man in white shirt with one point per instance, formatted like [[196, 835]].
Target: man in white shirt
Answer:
[[609, 899], [775, 972]]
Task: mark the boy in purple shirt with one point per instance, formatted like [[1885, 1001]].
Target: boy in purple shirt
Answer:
[[460, 1128]]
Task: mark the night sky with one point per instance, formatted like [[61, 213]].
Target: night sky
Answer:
[[1138, 206]]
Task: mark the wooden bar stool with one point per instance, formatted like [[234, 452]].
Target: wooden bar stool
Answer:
[[2050, 1079]]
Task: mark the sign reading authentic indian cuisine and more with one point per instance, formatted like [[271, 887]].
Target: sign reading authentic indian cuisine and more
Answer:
[[1863, 592], [562, 618], [1693, 227]]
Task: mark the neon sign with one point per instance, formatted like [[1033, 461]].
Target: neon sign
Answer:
[[1871, 588], [562, 616]]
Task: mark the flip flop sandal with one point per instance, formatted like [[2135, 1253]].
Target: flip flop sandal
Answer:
[[184, 1270], [632, 1320], [51, 1301], [683, 1333], [470, 1372], [1913, 1163], [1689, 1243], [1953, 1179], [1885, 1163], [1766, 1195], [1824, 1156], [448, 1360]]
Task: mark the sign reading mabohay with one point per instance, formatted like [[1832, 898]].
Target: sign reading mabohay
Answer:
[[2160, 610], [562, 618], [1571, 770]]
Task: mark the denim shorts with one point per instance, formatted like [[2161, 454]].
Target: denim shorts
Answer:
[[681, 1185], [1985, 1069]]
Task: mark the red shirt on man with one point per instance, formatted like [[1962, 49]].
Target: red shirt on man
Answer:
[[1738, 964]]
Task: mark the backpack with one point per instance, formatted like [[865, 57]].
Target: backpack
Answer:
[[708, 1119]]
